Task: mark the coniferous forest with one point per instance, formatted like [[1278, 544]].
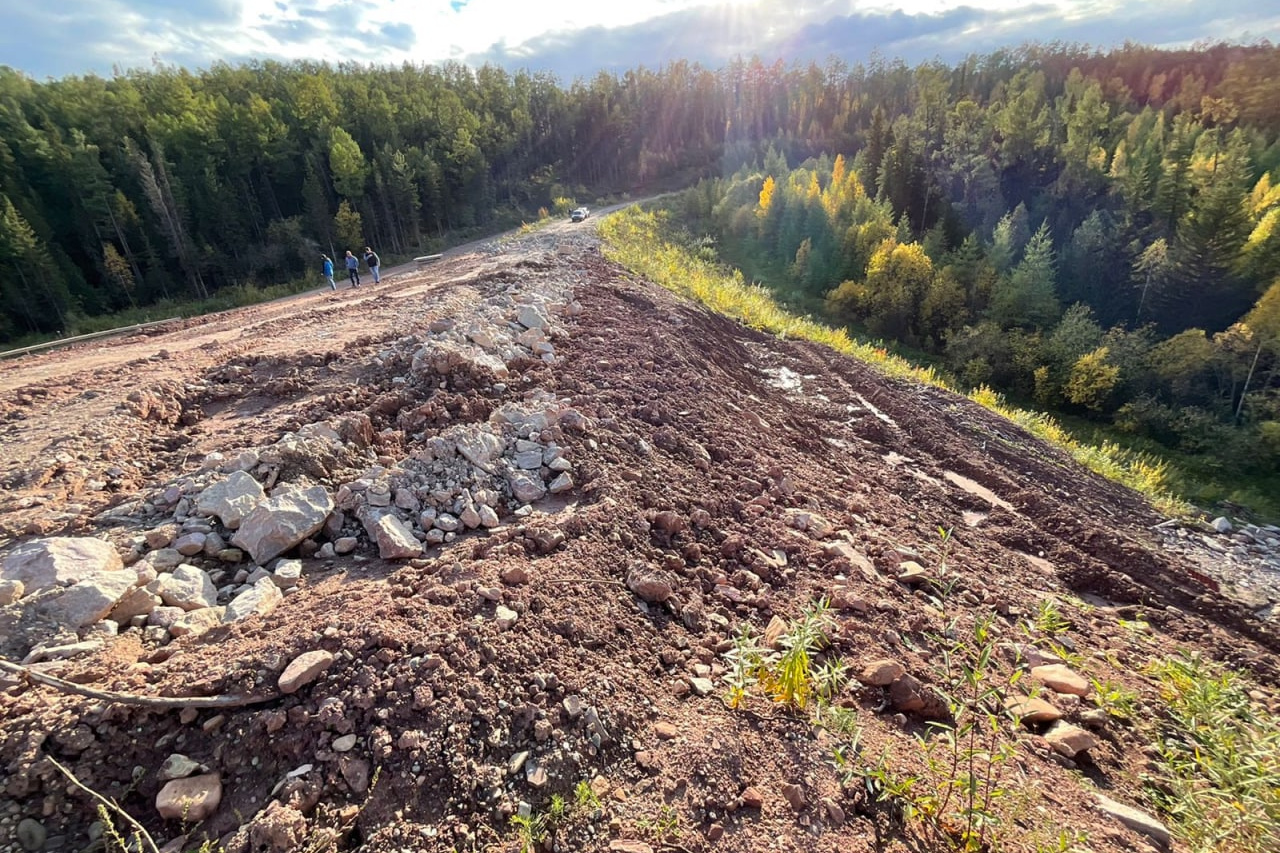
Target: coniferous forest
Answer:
[[1098, 232]]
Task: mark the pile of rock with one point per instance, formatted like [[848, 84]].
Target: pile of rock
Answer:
[[1245, 558], [210, 544]]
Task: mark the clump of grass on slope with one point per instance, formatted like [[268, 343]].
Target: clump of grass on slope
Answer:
[[1219, 759], [644, 241]]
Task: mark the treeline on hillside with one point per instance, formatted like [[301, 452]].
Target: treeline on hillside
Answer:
[[1067, 244], [124, 191]]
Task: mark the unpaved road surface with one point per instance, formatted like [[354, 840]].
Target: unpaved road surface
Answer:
[[743, 476]]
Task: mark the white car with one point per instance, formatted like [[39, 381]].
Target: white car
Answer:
[[579, 214]]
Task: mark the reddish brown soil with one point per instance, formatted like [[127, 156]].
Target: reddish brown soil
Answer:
[[684, 420]]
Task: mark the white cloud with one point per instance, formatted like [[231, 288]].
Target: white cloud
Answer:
[[575, 37]]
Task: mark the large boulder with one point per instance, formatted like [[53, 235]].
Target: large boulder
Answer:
[[232, 499], [281, 522], [61, 561]]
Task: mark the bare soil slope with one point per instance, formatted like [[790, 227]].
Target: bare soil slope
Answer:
[[752, 476]]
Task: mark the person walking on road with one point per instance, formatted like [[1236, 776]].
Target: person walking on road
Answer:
[[371, 261], [326, 268], [353, 269]]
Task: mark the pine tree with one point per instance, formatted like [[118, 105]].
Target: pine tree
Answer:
[[348, 228]]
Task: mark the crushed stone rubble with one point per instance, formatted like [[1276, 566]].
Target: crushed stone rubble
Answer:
[[212, 546], [1243, 558]]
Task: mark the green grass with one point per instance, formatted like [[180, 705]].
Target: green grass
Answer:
[[1218, 765], [649, 243]]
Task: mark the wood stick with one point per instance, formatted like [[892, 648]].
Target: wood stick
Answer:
[[225, 701]]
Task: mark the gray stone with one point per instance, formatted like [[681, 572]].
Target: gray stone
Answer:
[[31, 834], [136, 602], [213, 544], [561, 484], [164, 616], [287, 573], [231, 500], [1222, 525], [89, 600], [346, 743], [60, 561], [196, 622], [281, 522], [506, 617], [447, 522], [479, 447], [529, 460], [702, 686], [526, 487], [488, 517], [344, 545], [261, 599], [1136, 820], [392, 536], [532, 317], [163, 560], [189, 544], [188, 587], [178, 766]]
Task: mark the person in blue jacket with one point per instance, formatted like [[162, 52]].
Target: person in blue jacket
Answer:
[[353, 269], [326, 268]]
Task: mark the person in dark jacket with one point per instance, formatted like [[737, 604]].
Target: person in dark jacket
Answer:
[[353, 269], [371, 261], [326, 269]]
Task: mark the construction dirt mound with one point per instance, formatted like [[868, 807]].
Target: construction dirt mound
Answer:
[[457, 562]]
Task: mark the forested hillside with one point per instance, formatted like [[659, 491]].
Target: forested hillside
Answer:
[[1091, 242], [175, 184]]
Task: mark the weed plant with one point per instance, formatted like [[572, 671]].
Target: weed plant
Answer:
[[789, 677], [1049, 620], [958, 797]]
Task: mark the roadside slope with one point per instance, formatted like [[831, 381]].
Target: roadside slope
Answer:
[[578, 646]]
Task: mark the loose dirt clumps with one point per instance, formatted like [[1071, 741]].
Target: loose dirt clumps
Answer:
[[471, 548]]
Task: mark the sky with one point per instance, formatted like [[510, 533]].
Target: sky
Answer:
[[577, 38]]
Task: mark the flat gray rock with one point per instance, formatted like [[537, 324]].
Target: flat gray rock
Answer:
[[281, 522], [394, 540], [90, 600], [1136, 820], [232, 499], [261, 599], [61, 561]]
